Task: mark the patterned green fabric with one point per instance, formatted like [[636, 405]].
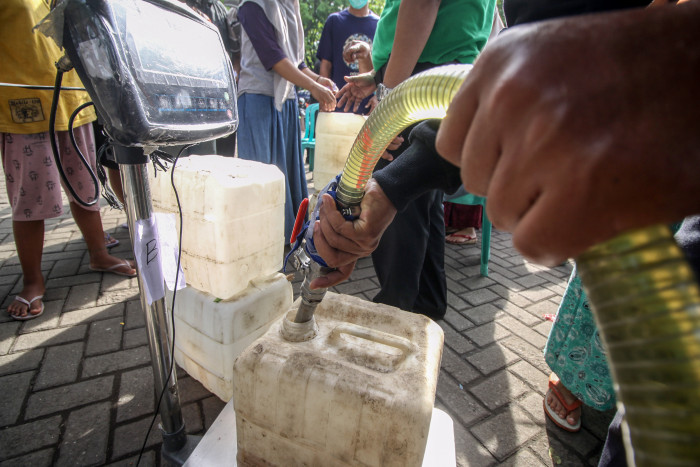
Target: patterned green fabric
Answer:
[[575, 352]]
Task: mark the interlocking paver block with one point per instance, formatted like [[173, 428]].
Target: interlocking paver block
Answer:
[[487, 334], [479, 297], [104, 336], [457, 367], [505, 432], [455, 340], [469, 452], [135, 394], [135, 316], [37, 458], [60, 365], [530, 375], [50, 337], [492, 358], [135, 338], [8, 332], [86, 315], [464, 407], [522, 331], [86, 435], [14, 390], [20, 361], [457, 321], [29, 437], [82, 296], [69, 396], [499, 390], [483, 313], [121, 360], [129, 438]]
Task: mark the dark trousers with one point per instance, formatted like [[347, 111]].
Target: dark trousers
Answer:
[[410, 259]]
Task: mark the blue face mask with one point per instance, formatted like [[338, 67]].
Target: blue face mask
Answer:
[[357, 4]]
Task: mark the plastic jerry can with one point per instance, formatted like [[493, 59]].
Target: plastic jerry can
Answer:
[[361, 392], [233, 220], [335, 135], [210, 334]]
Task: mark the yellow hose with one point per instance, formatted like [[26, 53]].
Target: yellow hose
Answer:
[[425, 95], [641, 289]]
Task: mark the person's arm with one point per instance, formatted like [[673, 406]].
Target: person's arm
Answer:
[[320, 88], [414, 24], [264, 40], [325, 68], [419, 170], [575, 133]]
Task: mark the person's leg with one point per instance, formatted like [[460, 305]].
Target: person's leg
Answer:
[[90, 224], [30, 182], [613, 454], [29, 240], [115, 182], [398, 260], [432, 294], [572, 417], [88, 218]]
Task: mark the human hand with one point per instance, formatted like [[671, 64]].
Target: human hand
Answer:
[[351, 95], [393, 146], [360, 52], [341, 242], [327, 83], [323, 92], [575, 134], [372, 104]]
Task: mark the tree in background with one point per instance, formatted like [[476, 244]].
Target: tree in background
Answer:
[[314, 14]]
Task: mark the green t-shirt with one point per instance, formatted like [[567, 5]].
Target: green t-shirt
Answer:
[[458, 35]]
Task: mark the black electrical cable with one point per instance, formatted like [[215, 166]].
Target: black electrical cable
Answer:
[[54, 145], [39, 86], [172, 306], [107, 192]]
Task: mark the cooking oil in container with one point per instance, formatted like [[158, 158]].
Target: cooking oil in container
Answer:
[[233, 220], [361, 392], [210, 334], [335, 134]]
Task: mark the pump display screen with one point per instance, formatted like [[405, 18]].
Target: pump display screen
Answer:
[[157, 72]]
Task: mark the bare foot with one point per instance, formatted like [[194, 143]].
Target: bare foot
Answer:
[[21, 310], [572, 417]]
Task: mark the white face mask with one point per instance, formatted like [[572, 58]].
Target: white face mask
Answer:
[[357, 4]]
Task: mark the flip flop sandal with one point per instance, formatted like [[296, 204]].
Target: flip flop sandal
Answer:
[[470, 239], [110, 241], [554, 417], [114, 269], [29, 307]]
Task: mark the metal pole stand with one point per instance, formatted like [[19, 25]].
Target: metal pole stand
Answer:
[[177, 445]]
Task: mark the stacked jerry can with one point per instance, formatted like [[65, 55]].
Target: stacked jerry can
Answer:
[[335, 134], [232, 245]]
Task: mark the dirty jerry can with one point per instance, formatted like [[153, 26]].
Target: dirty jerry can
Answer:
[[361, 392]]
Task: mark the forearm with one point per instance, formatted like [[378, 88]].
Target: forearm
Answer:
[[325, 69], [419, 169], [413, 27], [303, 78]]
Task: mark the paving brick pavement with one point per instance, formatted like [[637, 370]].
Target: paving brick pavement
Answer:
[[77, 386]]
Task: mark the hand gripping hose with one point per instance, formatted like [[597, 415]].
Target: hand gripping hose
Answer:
[[643, 293]]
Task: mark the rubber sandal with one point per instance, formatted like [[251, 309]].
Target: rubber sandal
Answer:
[[113, 269], [554, 417], [110, 241], [29, 315]]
